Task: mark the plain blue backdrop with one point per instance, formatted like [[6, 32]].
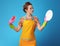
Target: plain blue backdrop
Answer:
[[50, 35]]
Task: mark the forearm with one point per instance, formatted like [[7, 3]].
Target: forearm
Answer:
[[17, 29], [14, 28], [42, 26]]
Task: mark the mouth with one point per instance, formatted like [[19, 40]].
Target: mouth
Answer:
[[32, 11]]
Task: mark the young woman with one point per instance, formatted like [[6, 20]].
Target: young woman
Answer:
[[28, 23]]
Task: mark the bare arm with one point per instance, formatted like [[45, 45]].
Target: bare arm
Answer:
[[17, 28], [40, 27], [19, 25]]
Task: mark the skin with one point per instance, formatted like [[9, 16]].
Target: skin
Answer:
[[29, 12]]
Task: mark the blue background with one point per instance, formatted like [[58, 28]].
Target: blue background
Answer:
[[50, 35]]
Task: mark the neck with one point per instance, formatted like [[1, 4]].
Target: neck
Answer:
[[28, 15]]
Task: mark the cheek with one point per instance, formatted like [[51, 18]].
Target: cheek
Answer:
[[29, 10], [32, 10]]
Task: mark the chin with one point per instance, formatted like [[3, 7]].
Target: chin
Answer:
[[31, 13]]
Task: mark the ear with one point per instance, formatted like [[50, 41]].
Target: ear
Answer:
[[26, 10]]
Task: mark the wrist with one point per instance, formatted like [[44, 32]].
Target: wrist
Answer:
[[11, 26], [45, 20], [44, 23]]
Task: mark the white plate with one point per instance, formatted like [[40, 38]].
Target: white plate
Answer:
[[49, 15]]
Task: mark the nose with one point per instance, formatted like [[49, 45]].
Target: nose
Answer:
[[32, 10]]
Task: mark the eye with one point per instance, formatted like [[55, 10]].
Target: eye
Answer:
[[31, 8]]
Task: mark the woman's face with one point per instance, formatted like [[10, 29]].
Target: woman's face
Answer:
[[30, 9]]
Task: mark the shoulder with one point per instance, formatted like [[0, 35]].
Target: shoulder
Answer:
[[35, 18], [22, 18]]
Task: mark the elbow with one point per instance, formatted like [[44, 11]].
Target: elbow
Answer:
[[17, 30], [40, 29]]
